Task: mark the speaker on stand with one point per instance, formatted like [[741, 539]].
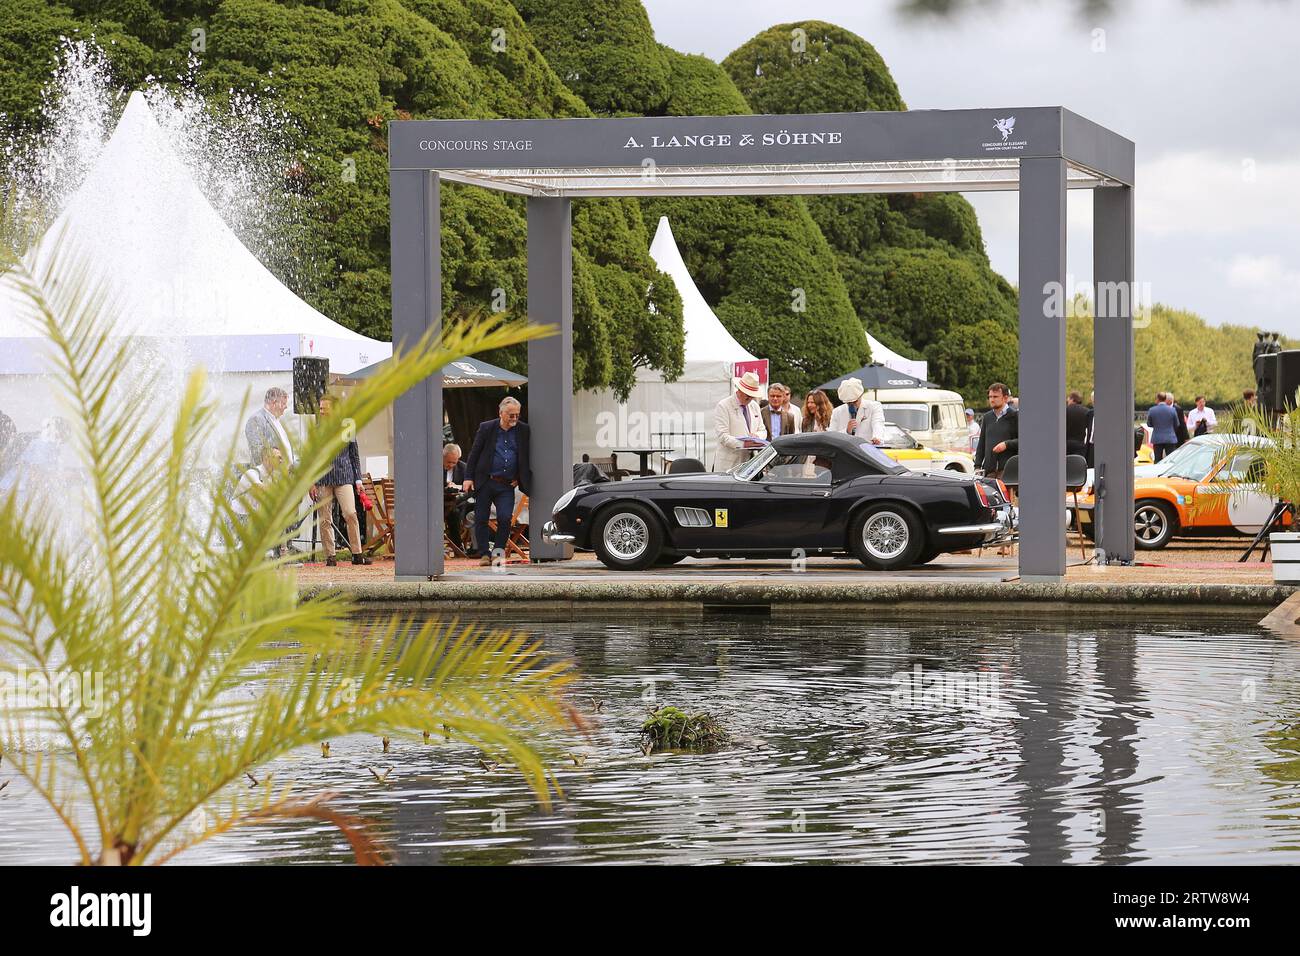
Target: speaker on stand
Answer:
[[1287, 378], [310, 380]]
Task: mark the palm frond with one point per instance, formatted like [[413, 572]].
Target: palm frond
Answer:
[[211, 665]]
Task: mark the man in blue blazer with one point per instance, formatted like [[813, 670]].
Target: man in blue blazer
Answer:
[[498, 463]]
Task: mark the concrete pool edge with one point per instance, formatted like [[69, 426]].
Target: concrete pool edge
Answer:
[[751, 593]]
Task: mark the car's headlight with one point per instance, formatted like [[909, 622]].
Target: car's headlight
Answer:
[[564, 501]]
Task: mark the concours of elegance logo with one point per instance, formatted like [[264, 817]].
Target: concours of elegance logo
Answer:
[[1005, 125]]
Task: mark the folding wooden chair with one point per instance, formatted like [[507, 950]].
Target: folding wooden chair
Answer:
[[388, 495], [517, 540], [610, 467], [379, 526]]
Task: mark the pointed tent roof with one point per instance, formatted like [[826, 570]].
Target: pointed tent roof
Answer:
[[917, 368], [707, 339], [147, 231]]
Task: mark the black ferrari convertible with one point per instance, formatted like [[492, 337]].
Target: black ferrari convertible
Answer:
[[818, 493]]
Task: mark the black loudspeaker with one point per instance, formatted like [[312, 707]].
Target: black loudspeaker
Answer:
[[1288, 378], [310, 378]]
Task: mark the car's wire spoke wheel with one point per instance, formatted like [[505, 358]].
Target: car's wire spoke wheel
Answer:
[[885, 535], [626, 536]]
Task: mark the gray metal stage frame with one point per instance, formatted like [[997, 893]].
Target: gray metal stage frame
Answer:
[[1039, 152]]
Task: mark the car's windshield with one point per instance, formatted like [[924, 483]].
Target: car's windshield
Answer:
[[1176, 457], [912, 417], [757, 462], [896, 437], [801, 469], [1196, 464]]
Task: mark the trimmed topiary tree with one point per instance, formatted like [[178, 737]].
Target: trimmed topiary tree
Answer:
[[812, 66]]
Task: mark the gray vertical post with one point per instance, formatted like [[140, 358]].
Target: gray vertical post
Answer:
[[417, 415], [1042, 369], [550, 366], [1112, 338]]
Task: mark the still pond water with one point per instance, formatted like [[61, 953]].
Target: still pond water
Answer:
[[933, 738]]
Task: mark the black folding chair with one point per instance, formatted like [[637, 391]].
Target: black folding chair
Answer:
[[1076, 477]]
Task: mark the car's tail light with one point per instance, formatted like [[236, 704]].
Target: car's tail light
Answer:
[[1002, 489], [984, 495]]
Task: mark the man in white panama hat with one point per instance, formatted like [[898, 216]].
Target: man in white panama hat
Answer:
[[858, 416], [736, 418]]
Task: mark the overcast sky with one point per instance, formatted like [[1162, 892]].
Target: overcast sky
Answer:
[[1209, 91]]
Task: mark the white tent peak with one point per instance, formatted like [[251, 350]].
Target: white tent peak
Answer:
[[707, 339], [917, 368], [147, 232]]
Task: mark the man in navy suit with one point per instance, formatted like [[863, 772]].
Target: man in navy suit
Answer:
[[498, 463]]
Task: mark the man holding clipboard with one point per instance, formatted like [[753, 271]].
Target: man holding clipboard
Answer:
[[738, 423]]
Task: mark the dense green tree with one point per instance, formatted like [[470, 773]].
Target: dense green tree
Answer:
[[762, 263], [818, 67], [30, 31], [1174, 350], [699, 87], [812, 67], [970, 358], [604, 50], [920, 293]]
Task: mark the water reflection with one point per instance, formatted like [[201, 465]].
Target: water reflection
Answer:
[[884, 738]]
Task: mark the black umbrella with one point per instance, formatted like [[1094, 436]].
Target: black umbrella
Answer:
[[462, 373], [876, 375]]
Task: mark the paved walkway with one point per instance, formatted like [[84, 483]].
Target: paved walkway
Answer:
[[1195, 574]]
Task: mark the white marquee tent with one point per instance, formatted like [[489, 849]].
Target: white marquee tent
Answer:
[[666, 414], [680, 414], [185, 282], [917, 368]]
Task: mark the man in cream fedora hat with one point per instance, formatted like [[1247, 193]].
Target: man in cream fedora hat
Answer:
[[736, 419], [857, 416]]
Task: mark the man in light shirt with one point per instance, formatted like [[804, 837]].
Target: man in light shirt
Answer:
[[1201, 420]]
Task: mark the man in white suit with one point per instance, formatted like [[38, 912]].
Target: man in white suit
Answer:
[[857, 416], [736, 418]]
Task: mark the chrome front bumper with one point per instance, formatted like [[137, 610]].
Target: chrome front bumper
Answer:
[[552, 535]]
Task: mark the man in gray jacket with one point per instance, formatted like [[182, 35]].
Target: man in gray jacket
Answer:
[[263, 429]]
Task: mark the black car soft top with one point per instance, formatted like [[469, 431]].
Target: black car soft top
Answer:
[[838, 443]]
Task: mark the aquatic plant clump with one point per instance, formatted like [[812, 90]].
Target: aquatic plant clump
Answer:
[[671, 728]]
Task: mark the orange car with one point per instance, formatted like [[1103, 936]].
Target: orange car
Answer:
[[1202, 489]]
